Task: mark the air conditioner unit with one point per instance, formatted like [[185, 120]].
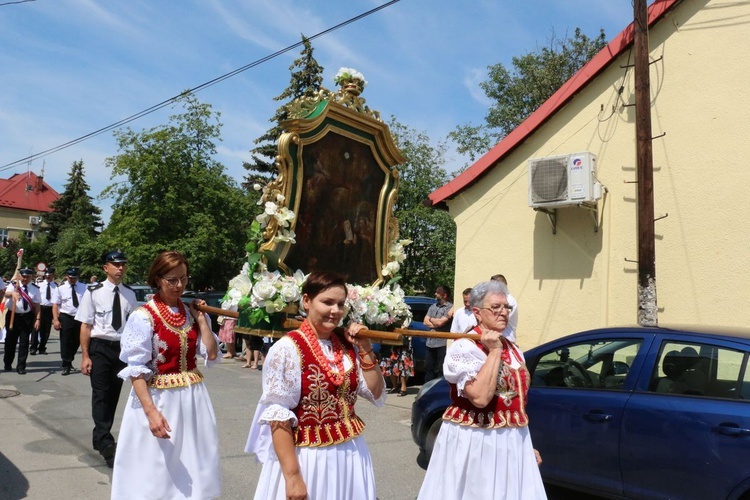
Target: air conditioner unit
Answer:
[[565, 180], [34, 220]]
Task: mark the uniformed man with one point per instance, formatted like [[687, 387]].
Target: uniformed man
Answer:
[[64, 317], [49, 295], [25, 295], [103, 311]]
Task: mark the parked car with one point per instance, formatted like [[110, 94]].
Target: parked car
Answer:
[[143, 293], [633, 412], [419, 307], [212, 298]]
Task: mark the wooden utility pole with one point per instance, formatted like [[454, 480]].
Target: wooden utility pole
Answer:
[[647, 311]]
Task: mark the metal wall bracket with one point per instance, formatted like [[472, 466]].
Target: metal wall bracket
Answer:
[[551, 215]]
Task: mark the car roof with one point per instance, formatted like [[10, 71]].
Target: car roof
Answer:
[[417, 299], [664, 329]]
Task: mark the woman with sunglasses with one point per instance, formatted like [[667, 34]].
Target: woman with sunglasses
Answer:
[[168, 446], [483, 449]]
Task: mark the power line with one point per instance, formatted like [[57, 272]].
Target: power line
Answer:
[[17, 1], [202, 86]]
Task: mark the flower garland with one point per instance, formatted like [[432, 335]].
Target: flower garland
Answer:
[[349, 75], [337, 378]]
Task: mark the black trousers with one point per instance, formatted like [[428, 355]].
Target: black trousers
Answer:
[[39, 339], [105, 389], [433, 362], [23, 326], [70, 339]]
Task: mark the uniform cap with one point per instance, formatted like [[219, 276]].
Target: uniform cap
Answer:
[[26, 272], [114, 256], [50, 270], [73, 272]]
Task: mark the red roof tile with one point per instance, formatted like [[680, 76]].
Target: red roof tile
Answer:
[[27, 192], [558, 100]]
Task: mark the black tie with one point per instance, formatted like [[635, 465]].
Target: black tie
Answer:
[[26, 304], [49, 291], [116, 311], [75, 297]]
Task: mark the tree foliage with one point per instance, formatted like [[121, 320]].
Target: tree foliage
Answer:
[[430, 259], [519, 92], [306, 79], [177, 197], [74, 207]]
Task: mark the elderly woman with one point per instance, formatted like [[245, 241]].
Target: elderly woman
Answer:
[[168, 446], [483, 449], [305, 430]]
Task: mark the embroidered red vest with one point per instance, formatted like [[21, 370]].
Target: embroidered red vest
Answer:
[[325, 413], [508, 405], [174, 351]]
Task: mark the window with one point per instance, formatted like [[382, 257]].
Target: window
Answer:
[[600, 365], [3, 237], [699, 370]]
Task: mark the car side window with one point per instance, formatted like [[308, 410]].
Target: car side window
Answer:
[[698, 369], [596, 365]]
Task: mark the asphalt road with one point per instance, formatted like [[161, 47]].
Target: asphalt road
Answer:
[[45, 424]]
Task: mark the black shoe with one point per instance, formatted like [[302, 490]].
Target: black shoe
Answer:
[[8, 368], [108, 451], [43, 353], [21, 371], [32, 352], [110, 462], [402, 394], [66, 371]]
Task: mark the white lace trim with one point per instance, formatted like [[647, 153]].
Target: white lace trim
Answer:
[[464, 359]]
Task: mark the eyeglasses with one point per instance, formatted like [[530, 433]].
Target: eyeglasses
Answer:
[[496, 310], [175, 282]]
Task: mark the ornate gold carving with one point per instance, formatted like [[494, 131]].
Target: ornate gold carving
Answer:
[[303, 107]]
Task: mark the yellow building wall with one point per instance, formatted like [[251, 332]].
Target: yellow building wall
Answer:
[[579, 279], [16, 222]]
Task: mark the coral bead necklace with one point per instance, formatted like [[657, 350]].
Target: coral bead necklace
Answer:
[[338, 353], [174, 319]]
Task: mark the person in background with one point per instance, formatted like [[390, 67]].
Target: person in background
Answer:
[[25, 296], [253, 355], [50, 295], [510, 330], [94, 280], [438, 319], [305, 430], [399, 366], [103, 311], [227, 334], [64, 317], [463, 318], [484, 448], [169, 444]]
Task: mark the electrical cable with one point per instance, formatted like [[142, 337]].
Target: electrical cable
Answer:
[[202, 86]]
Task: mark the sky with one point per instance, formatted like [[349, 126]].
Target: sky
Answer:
[[71, 67]]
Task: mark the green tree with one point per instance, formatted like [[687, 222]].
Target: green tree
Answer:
[[519, 92], [430, 259], [306, 79], [34, 252], [177, 197], [74, 207]]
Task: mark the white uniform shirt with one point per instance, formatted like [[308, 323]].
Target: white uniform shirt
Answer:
[[95, 309], [21, 308], [54, 293], [65, 297]]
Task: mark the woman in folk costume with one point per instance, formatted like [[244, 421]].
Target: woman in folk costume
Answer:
[[305, 430], [484, 449], [168, 446]]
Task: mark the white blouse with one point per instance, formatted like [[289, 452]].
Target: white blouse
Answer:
[[464, 359]]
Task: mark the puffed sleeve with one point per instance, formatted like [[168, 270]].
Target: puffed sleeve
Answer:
[[364, 391], [136, 347], [463, 360], [282, 388], [203, 350]]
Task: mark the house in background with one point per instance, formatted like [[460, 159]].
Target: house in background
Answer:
[[572, 266], [24, 200]]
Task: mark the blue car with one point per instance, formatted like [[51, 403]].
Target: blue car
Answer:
[[419, 307], [633, 412]]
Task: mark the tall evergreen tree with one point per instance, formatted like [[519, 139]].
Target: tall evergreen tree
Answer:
[[74, 207], [305, 81]]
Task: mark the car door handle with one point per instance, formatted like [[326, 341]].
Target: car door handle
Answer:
[[731, 430], [597, 416]]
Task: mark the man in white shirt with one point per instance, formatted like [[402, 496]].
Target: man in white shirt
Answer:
[[25, 295], [103, 311], [64, 317], [49, 295], [464, 319]]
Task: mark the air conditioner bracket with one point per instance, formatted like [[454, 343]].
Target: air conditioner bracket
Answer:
[[551, 215]]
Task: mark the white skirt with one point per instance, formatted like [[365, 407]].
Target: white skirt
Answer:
[[468, 463], [339, 472], [184, 466]]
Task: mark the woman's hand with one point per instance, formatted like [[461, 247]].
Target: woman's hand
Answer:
[[491, 339], [198, 315], [538, 457], [158, 424], [295, 487], [351, 332]]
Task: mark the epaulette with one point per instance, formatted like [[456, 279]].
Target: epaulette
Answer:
[[94, 287], [34, 285], [127, 286]]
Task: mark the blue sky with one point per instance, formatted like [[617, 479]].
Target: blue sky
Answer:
[[70, 67]]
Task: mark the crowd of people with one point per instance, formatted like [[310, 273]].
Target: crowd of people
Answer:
[[305, 431]]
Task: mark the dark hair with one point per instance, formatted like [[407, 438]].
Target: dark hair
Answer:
[[500, 278], [466, 291], [320, 281], [446, 290], [163, 263]]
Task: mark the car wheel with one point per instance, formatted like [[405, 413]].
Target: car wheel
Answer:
[[431, 437]]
